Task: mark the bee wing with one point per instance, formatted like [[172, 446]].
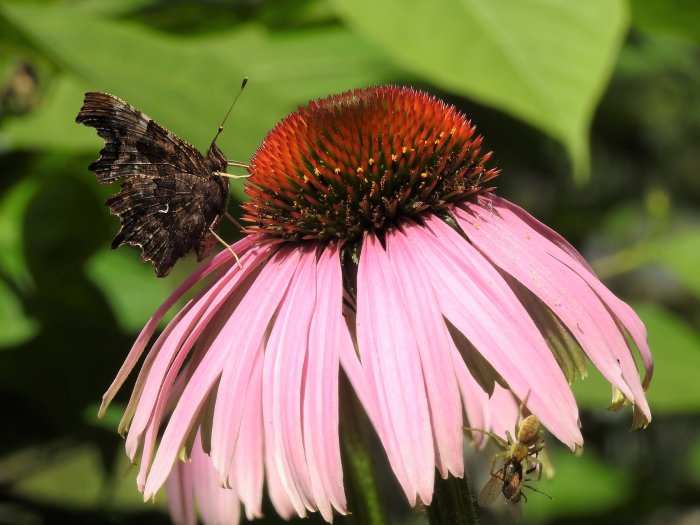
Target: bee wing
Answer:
[[492, 489]]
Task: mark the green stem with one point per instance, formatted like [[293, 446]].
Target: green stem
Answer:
[[452, 502], [364, 502]]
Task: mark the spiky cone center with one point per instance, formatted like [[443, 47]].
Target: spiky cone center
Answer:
[[363, 161]]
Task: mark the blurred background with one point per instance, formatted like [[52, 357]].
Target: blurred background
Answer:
[[592, 110]]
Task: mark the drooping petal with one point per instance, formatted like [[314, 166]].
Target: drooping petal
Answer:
[[478, 302], [504, 411], [629, 319], [556, 285], [181, 495], [217, 505], [174, 350], [243, 338], [248, 461], [241, 335], [321, 418], [435, 347], [222, 258], [283, 370], [390, 357], [474, 399], [551, 274], [278, 495]]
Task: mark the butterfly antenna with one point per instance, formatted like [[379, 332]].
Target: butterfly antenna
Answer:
[[221, 126]]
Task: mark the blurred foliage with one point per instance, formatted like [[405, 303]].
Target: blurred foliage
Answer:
[[592, 109]]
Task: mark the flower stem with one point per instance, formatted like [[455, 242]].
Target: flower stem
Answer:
[[452, 502], [364, 502]]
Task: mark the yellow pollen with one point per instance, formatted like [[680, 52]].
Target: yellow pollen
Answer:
[[403, 150], [316, 172], [336, 171], [442, 134], [424, 175], [370, 162], [394, 157], [360, 170]]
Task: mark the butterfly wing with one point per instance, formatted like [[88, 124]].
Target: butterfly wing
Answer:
[[170, 198]]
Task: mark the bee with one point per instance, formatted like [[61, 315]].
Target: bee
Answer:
[[519, 457]]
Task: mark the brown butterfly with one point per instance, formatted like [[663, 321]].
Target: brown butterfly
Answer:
[[172, 197]]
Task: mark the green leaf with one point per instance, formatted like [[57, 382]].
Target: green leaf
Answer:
[[16, 326], [671, 17], [186, 83], [74, 478], [544, 62], [680, 253], [51, 125], [580, 485], [676, 349], [129, 285], [12, 209]]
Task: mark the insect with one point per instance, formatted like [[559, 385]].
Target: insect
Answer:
[[172, 197], [519, 459]]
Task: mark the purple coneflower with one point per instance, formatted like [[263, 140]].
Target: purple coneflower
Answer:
[[375, 246]]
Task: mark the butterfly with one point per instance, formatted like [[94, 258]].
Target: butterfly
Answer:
[[172, 197]]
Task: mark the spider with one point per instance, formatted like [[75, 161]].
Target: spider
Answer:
[[519, 456]]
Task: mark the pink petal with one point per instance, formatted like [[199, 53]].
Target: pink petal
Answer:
[[217, 505], [248, 460], [580, 300], [478, 302], [562, 290], [504, 411], [278, 495], [321, 420], [176, 347], [205, 269], [143, 374], [283, 371], [623, 311], [390, 357], [435, 347], [474, 399], [243, 331], [244, 335], [181, 495], [225, 294]]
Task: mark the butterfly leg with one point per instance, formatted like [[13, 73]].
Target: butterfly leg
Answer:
[[233, 221], [228, 246], [231, 175]]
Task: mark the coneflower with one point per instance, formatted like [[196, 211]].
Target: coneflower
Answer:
[[375, 246]]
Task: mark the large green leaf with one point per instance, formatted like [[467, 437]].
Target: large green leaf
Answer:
[[13, 205], [680, 253], [17, 327], [74, 478], [129, 286], [544, 62], [186, 83]]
